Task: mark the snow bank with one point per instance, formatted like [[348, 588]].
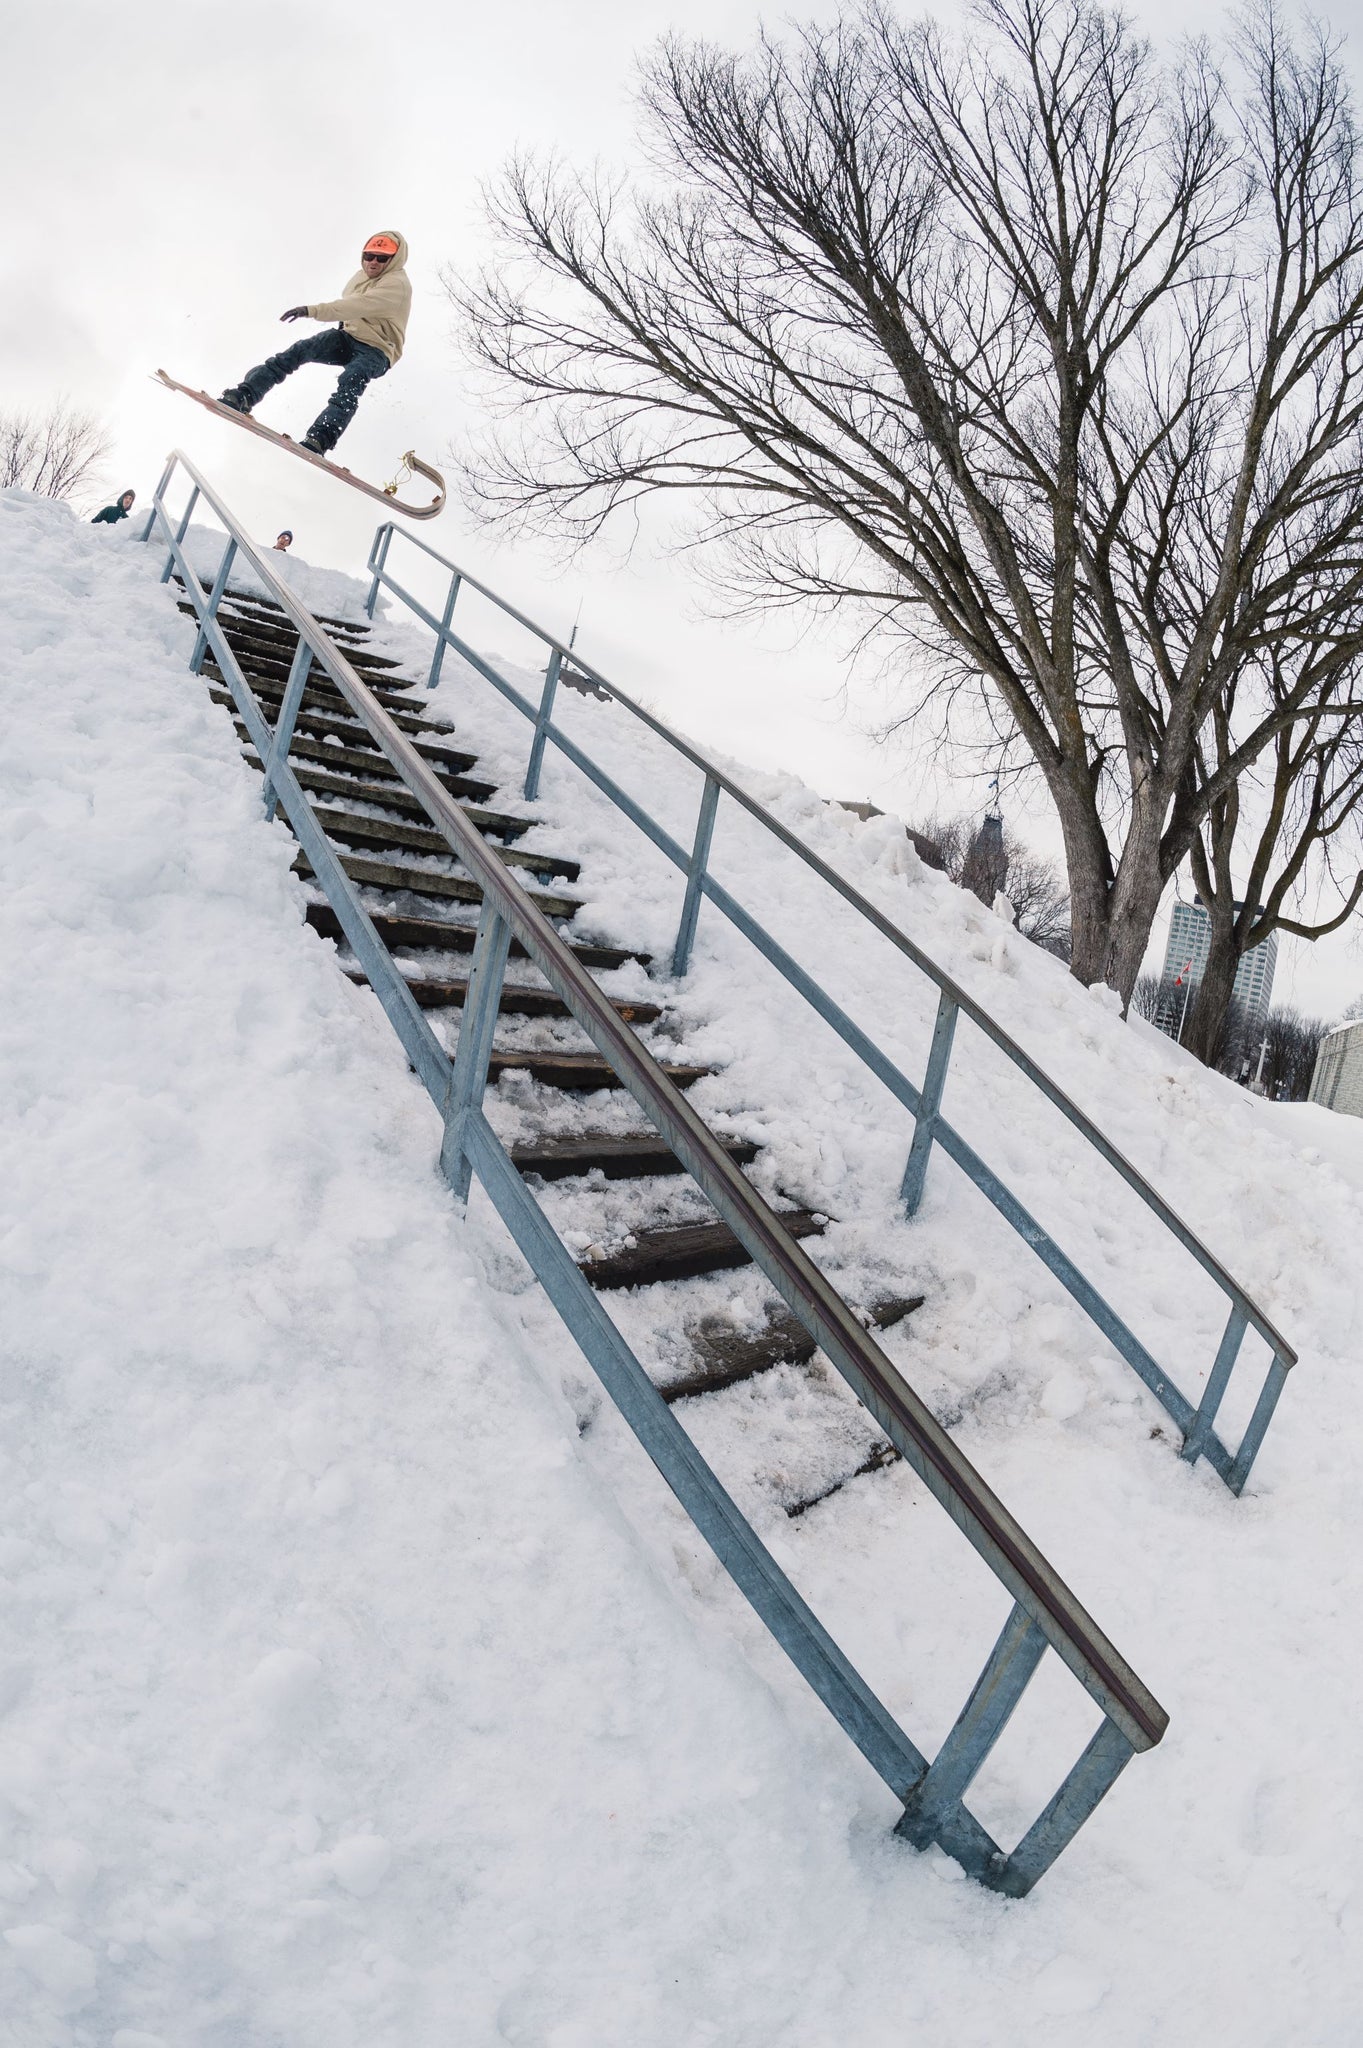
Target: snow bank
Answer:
[[348, 1693]]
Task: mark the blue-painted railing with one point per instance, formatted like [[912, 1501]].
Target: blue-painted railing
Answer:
[[1043, 1614], [1200, 1439]]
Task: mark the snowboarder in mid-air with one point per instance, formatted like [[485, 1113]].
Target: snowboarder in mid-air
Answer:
[[373, 312]]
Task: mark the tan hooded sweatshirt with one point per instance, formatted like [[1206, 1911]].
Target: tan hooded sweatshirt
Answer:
[[375, 309]]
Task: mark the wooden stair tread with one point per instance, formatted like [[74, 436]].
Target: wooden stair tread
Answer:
[[682, 1251], [579, 1072], [725, 1356], [517, 1000], [389, 875], [358, 829], [330, 703], [305, 749], [433, 934], [498, 823], [633, 1158]]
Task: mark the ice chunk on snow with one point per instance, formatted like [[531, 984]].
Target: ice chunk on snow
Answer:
[[360, 1863]]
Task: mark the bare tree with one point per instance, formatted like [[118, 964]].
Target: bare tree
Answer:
[[1048, 353], [1301, 812], [1146, 997], [52, 452], [990, 860], [1289, 1043]]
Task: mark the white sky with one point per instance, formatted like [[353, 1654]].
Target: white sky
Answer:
[[177, 175]]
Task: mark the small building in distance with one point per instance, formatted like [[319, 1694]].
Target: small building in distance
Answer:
[[1185, 958], [1337, 1082]]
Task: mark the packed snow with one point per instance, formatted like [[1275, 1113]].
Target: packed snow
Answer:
[[359, 1681]]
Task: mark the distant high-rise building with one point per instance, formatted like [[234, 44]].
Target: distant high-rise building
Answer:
[[1185, 958]]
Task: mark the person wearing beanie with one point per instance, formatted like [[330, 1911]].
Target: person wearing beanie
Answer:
[[283, 542], [120, 509], [372, 311]]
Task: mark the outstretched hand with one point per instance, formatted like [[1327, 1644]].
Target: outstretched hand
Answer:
[[295, 313]]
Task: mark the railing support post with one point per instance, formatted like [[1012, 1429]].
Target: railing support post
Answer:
[[1095, 1773], [1217, 1381], [929, 1105], [180, 533], [378, 562], [1274, 1382], [157, 495], [438, 657], [284, 724], [229, 555], [468, 1077], [695, 877], [546, 712], [982, 1720]]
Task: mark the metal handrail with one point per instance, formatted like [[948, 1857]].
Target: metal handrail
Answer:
[[1045, 1611], [1200, 1438]]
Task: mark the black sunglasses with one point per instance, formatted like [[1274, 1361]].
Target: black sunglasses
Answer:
[[374, 256]]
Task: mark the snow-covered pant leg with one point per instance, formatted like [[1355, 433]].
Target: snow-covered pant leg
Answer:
[[332, 345], [364, 366]]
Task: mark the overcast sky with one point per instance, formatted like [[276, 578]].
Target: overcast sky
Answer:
[[177, 175]]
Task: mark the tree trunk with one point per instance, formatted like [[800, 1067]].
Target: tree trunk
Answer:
[[1134, 899], [1206, 1026], [1089, 876]]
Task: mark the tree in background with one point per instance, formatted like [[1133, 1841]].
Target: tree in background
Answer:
[[1288, 1042], [1147, 997], [1047, 351], [1293, 819], [990, 860], [52, 452]]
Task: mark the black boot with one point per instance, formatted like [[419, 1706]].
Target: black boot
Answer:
[[314, 444], [235, 398]]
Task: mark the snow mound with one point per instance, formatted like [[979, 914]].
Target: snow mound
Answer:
[[357, 1681]]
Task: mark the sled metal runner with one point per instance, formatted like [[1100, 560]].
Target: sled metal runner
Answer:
[[1043, 1613], [1194, 1419], [385, 493]]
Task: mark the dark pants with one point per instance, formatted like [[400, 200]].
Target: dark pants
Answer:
[[333, 345]]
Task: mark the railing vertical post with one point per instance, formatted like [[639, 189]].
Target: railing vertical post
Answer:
[[157, 495], [982, 1720], [284, 724], [229, 555], [1273, 1385], [378, 562], [438, 657], [695, 877], [1217, 1381], [546, 712], [1095, 1773], [181, 531], [468, 1077], [929, 1105]]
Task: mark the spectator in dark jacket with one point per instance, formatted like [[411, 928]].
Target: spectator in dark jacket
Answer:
[[120, 509]]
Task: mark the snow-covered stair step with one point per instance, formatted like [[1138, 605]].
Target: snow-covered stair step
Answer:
[[335, 755], [580, 1072], [270, 643], [357, 828], [394, 797], [516, 1000], [350, 734], [273, 660], [785, 1439], [432, 934], [328, 703], [725, 1355], [399, 879], [629, 1158], [683, 1251]]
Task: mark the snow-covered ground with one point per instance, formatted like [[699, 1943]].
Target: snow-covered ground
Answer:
[[359, 1683]]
